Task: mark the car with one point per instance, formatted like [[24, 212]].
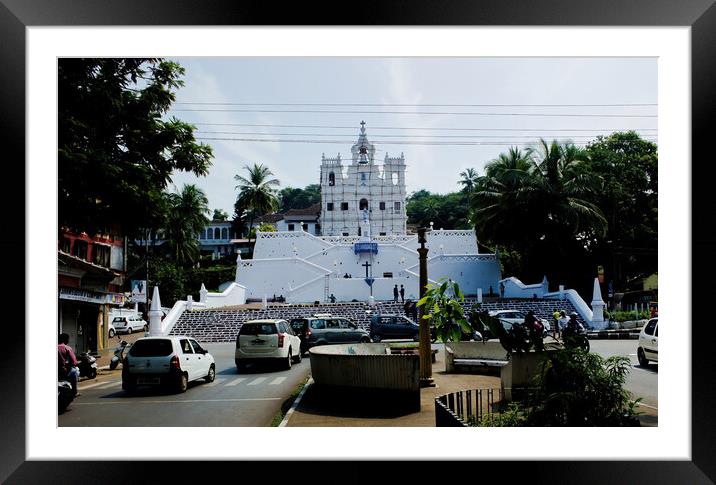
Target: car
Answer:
[[320, 330], [129, 324], [269, 339], [171, 361], [648, 348], [516, 316], [111, 332], [392, 327]]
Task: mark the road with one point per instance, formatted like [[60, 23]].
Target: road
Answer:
[[251, 398]]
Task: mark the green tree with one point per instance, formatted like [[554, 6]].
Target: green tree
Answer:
[[468, 180], [442, 308], [295, 198], [187, 217], [257, 193], [629, 199], [116, 152], [219, 215], [263, 227]]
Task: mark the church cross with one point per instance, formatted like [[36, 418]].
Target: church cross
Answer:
[[367, 265]]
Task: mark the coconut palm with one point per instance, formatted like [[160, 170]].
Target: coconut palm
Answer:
[[257, 192], [186, 218], [469, 178]]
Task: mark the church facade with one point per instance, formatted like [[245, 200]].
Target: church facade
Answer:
[[364, 250], [349, 187]]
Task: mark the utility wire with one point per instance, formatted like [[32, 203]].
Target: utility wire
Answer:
[[379, 135], [511, 105], [386, 142]]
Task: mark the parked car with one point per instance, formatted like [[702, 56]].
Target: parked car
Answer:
[[327, 330], [129, 324], [261, 340], [172, 361], [111, 332], [508, 317], [648, 349]]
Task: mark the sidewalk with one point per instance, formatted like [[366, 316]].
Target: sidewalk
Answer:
[[314, 410]]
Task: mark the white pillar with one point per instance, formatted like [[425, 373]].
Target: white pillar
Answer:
[[202, 293], [479, 295], [598, 306], [561, 292], [264, 302], [238, 262], [155, 315], [189, 302]]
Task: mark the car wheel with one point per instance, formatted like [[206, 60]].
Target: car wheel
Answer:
[[183, 383], [377, 338], [643, 361], [297, 358], [129, 330], [416, 337], [289, 360], [111, 332], [365, 340], [128, 386], [93, 373], [211, 375]]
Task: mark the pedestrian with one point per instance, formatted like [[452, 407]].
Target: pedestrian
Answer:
[[402, 294], [555, 324], [502, 290], [395, 293], [333, 298], [563, 320], [414, 309], [67, 362], [407, 308]]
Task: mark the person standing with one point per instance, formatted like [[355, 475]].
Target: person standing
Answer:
[[395, 293], [563, 320], [502, 290], [67, 362], [402, 294], [555, 323]]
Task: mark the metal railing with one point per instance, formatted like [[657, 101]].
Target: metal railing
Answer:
[[464, 408]]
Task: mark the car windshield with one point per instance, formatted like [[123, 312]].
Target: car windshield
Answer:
[[298, 324], [151, 348], [258, 329]]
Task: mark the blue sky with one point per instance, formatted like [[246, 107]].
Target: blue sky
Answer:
[[412, 84]]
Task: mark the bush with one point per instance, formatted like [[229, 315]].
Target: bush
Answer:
[[514, 415], [630, 315]]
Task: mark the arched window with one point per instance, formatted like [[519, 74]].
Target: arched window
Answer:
[[217, 233], [395, 179], [331, 179], [224, 233], [209, 233], [363, 204]]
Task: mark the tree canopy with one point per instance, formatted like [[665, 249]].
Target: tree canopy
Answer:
[[116, 153], [295, 198], [257, 192]]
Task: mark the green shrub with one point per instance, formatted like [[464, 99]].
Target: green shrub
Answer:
[[514, 415]]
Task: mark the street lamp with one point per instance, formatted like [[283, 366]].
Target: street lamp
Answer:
[[426, 366]]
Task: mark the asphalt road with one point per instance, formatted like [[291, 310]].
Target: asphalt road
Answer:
[[641, 381], [249, 398]]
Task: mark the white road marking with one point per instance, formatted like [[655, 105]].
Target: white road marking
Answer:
[[277, 381], [90, 386], [258, 380], [236, 381], [217, 380], [134, 402], [107, 385]]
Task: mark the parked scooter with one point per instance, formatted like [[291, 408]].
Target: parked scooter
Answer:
[[87, 365], [65, 395], [118, 355]]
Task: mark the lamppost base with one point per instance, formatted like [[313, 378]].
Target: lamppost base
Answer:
[[427, 382]]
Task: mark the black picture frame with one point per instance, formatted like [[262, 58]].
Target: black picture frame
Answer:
[[700, 15]]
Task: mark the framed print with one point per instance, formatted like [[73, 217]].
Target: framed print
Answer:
[[669, 39]]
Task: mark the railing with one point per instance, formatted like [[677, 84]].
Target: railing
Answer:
[[469, 407]]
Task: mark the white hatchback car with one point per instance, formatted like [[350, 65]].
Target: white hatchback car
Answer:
[[171, 361], [648, 349], [259, 340], [129, 324]]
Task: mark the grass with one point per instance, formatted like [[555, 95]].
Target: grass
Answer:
[[404, 345], [287, 404]]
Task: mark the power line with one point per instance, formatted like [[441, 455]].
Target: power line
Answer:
[[452, 113], [611, 105], [373, 135], [386, 142]]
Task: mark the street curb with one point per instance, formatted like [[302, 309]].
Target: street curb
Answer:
[[284, 422], [612, 335]]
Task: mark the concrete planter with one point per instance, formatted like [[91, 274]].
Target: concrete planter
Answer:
[[520, 371]]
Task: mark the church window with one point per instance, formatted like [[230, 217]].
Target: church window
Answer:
[[217, 233], [363, 204], [224, 233], [344, 206], [290, 227], [382, 206], [387, 275], [395, 179], [209, 233], [329, 206], [360, 233], [331, 179], [397, 206], [345, 234], [382, 234]]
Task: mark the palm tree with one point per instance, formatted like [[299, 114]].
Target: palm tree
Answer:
[[469, 178], [256, 192], [187, 217]]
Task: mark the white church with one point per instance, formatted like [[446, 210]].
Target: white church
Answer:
[[365, 249]]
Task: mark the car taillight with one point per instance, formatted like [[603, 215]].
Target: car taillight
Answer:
[[280, 340], [174, 363], [309, 333]]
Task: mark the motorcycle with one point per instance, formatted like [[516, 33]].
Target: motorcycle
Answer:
[[65, 395], [87, 365], [576, 338], [118, 355]]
